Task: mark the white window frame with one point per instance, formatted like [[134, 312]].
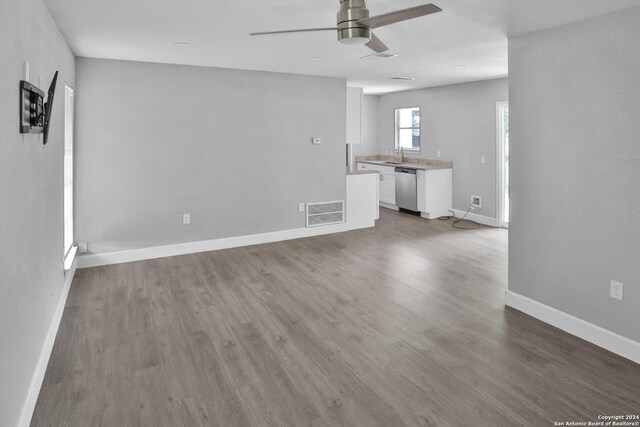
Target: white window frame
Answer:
[[397, 128], [69, 247]]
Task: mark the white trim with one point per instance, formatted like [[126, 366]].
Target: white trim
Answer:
[[41, 368], [480, 219], [594, 334], [499, 164], [70, 258], [395, 125], [85, 261]]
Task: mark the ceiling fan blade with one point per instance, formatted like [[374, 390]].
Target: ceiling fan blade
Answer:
[[376, 44], [399, 15], [304, 30]]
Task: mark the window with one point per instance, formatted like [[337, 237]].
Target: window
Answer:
[[408, 128], [69, 248]]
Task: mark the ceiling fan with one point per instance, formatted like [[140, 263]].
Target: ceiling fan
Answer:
[[355, 25]]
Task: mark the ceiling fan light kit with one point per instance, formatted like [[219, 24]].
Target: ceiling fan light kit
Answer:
[[354, 24], [350, 31]]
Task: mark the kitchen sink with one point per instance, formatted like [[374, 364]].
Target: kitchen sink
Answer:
[[394, 163]]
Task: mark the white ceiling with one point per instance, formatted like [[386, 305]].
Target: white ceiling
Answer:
[[468, 32]]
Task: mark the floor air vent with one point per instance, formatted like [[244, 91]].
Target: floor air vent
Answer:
[[325, 213]]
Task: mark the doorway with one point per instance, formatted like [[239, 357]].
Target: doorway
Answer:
[[504, 206]]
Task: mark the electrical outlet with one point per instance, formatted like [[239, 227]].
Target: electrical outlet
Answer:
[[616, 290], [316, 140], [438, 153], [301, 207], [483, 160], [476, 201], [186, 218]]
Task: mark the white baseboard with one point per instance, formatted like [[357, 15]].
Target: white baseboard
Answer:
[[480, 219], [94, 260], [45, 353], [601, 337]]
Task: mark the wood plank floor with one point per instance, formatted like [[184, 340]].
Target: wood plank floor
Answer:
[[402, 324]]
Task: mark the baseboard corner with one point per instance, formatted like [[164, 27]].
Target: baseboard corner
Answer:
[[604, 338], [480, 219]]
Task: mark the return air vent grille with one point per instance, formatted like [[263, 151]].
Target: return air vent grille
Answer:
[[325, 213]]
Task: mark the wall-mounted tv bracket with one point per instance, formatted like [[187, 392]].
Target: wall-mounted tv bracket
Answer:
[[35, 114], [31, 108]]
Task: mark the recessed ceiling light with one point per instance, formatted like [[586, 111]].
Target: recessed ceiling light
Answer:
[[402, 78], [317, 58], [458, 67], [181, 44]]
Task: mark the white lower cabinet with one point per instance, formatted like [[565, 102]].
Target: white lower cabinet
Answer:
[[387, 177], [388, 188], [434, 189], [434, 192]]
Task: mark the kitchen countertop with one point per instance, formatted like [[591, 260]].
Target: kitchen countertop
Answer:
[[412, 163], [354, 172]]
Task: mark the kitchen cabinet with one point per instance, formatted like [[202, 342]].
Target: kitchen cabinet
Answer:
[[434, 192], [362, 200], [388, 188], [354, 115], [433, 188], [387, 184]]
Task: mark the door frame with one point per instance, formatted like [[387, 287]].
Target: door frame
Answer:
[[499, 163]]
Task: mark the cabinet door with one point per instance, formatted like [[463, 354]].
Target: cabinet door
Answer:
[[438, 194], [354, 115], [388, 189]]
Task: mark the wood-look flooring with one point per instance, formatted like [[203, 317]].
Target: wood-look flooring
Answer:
[[401, 324]]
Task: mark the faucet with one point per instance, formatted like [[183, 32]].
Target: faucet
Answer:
[[401, 152]]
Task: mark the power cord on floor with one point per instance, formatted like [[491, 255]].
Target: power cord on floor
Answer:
[[460, 222]]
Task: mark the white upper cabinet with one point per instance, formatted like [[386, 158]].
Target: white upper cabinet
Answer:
[[354, 115]]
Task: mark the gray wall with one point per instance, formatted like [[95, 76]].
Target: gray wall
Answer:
[[460, 121], [31, 270], [231, 147], [575, 175]]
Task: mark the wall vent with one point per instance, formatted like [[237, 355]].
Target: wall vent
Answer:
[[325, 213]]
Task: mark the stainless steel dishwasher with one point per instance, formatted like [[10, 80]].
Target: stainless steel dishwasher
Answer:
[[406, 189]]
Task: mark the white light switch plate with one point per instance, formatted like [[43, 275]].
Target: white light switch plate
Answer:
[[316, 140], [186, 218], [483, 160], [301, 207], [438, 153]]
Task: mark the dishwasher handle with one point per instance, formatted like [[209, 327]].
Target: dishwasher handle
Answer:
[[406, 170]]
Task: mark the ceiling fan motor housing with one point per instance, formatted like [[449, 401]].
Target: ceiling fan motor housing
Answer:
[[349, 30]]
